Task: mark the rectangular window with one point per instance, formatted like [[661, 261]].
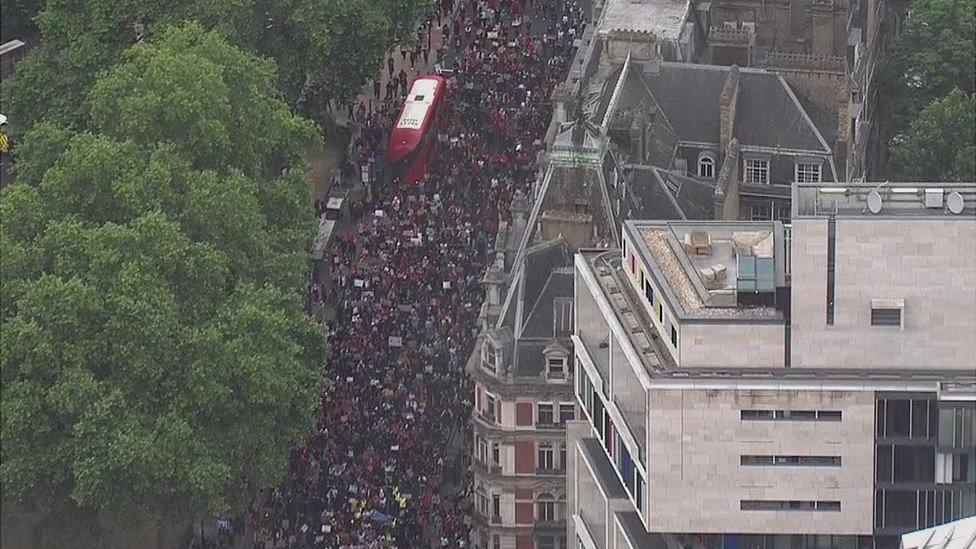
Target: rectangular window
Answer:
[[787, 505], [761, 212], [557, 367], [489, 360], [790, 415], [545, 414], [796, 461], [756, 171], [674, 336], [567, 412], [496, 458], [886, 317], [489, 410], [649, 293], [807, 173], [547, 457]]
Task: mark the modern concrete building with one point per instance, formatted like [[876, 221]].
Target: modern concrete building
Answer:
[[754, 384]]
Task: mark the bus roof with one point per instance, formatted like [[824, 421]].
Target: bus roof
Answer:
[[418, 103]]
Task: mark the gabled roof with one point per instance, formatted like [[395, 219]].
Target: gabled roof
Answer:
[[768, 113]]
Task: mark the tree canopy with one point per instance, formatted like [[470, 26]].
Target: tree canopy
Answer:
[[932, 58], [940, 144], [155, 357], [325, 49]]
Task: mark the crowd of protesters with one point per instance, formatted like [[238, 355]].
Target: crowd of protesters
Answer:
[[407, 290]]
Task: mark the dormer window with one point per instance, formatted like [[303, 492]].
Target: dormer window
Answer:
[[556, 367], [706, 166], [489, 360]]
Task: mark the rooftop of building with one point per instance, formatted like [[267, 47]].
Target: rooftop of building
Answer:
[[951, 200], [703, 265], [768, 114], [531, 317], [606, 268], [664, 18]]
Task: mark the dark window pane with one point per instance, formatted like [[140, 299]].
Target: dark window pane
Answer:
[[901, 509], [897, 420], [879, 508], [883, 463], [920, 418], [880, 419], [914, 464], [829, 415], [960, 427]]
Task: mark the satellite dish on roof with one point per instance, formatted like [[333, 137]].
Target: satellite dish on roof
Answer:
[[955, 203], [874, 202]]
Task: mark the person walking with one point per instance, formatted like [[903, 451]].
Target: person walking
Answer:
[[389, 65], [376, 88]]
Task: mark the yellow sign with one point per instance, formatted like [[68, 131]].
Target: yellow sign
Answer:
[[3, 143]]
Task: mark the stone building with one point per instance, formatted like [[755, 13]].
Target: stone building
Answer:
[[750, 384], [745, 134]]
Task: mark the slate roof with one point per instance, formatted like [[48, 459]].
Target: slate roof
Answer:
[[659, 194], [540, 310], [544, 278], [768, 114]]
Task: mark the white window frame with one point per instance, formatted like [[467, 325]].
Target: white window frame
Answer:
[[807, 172], [552, 413], [752, 168], [709, 160], [489, 357], [548, 450], [546, 508], [556, 360], [486, 410]]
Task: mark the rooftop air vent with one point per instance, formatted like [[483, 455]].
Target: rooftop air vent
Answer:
[[955, 203], [933, 198]]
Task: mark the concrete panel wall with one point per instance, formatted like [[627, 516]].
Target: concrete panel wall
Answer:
[[732, 345], [696, 438], [929, 263]]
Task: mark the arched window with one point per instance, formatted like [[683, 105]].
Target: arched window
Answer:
[[546, 507], [706, 166]]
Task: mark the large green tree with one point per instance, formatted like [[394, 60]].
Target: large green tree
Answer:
[[934, 54], [940, 143], [325, 49], [155, 358]]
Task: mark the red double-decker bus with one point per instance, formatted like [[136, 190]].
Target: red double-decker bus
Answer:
[[412, 141]]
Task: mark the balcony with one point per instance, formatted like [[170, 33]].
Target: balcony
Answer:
[[545, 471], [485, 468], [549, 426]]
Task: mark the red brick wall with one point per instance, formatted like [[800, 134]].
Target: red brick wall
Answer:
[[523, 413], [524, 458]]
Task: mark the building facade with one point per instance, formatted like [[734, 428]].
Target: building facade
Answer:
[[750, 384]]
